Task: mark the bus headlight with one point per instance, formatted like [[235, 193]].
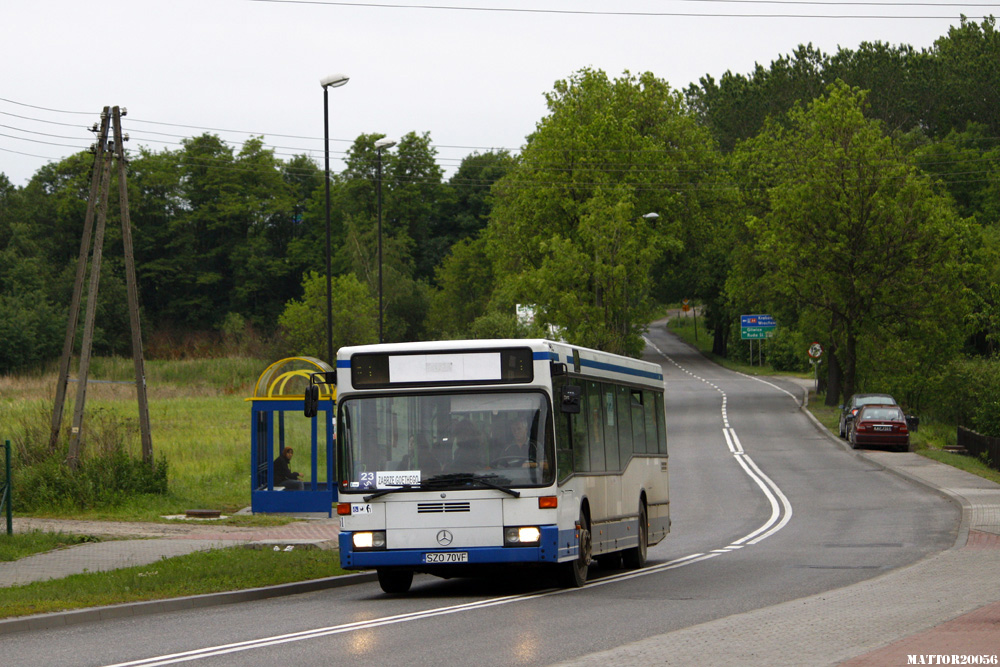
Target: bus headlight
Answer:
[[369, 540], [522, 536]]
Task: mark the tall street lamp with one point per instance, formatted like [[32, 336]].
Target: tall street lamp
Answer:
[[332, 81], [380, 145]]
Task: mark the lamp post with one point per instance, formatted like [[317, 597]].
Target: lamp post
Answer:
[[332, 81], [380, 145]]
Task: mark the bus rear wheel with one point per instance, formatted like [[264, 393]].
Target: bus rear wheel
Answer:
[[395, 581], [574, 573], [636, 558]]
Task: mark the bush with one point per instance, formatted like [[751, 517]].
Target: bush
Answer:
[[967, 393], [97, 483], [107, 474]]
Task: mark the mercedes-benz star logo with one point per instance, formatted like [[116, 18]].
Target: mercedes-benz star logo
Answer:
[[445, 537]]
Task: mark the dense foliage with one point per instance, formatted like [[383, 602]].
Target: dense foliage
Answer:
[[856, 196]]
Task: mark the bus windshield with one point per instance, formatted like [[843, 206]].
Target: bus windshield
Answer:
[[445, 440]]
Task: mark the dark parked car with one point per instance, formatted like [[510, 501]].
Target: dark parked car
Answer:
[[855, 403], [880, 426]]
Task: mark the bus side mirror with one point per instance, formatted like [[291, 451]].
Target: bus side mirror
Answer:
[[569, 397], [311, 402]]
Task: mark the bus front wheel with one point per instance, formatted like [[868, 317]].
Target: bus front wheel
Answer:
[[574, 573], [395, 581]]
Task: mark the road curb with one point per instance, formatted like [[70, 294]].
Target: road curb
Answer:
[[131, 609]]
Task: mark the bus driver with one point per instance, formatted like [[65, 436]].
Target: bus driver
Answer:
[[521, 450]]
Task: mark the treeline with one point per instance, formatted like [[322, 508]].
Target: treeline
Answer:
[[854, 196], [225, 239]]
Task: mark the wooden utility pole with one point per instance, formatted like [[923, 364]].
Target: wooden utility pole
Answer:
[[99, 195], [96, 188]]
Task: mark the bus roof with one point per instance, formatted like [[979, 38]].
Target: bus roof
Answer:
[[578, 360]]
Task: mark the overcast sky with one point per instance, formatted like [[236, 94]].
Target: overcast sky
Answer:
[[474, 78]]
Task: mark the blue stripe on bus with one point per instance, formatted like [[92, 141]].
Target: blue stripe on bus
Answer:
[[599, 365], [625, 370], [343, 363], [547, 552]]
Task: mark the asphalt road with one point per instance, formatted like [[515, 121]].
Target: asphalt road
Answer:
[[765, 510]]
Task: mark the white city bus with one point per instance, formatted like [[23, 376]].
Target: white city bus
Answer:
[[456, 457]]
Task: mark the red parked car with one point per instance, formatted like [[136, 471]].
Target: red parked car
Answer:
[[880, 426]]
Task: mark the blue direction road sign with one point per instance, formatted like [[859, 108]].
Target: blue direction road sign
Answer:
[[766, 321]]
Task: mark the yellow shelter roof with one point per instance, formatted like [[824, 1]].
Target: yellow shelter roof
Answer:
[[289, 377]]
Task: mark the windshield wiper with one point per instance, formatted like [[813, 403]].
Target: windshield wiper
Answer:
[[485, 480], [384, 492], [443, 480]]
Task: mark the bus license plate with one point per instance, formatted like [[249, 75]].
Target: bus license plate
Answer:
[[447, 557]]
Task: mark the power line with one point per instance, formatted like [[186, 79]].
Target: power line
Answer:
[[651, 14]]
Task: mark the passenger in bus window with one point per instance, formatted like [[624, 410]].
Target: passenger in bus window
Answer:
[[468, 448], [283, 475], [428, 457]]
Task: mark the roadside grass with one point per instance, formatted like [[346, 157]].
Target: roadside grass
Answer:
[[199, 419], [230, 569], [20, 545]]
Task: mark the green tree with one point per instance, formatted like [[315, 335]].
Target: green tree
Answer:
[[465, 284], [966, 78], [567, 232], [355, 316], [848, 231]]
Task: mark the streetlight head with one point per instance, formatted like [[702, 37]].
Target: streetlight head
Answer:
[[652, 216], [334, 80], [385, 142]]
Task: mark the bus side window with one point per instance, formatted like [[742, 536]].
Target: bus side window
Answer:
[[661, 426], [611, 461], [595, 423], [649, 418], [564, 437], [581, 441], [638, 422], [624, 413]]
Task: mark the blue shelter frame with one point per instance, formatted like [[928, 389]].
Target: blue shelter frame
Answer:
[[278, 421]]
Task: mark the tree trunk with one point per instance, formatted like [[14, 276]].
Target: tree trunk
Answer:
[[850, 364], [720, 339], [833, 380]]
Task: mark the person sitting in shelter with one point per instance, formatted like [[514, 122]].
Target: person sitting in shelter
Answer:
[[283, 475]]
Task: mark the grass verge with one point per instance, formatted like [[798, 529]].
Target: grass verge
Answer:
[[230, 569], [20, 545]]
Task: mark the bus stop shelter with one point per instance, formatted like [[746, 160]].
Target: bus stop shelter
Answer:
[[278, 421]]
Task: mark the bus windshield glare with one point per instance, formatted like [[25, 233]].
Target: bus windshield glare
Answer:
[[413, 441]]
